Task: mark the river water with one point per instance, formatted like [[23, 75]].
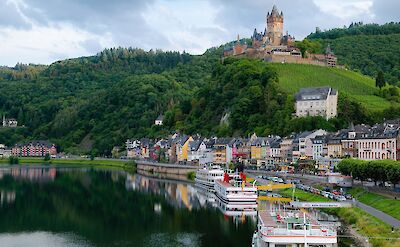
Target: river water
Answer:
[[75, 207]]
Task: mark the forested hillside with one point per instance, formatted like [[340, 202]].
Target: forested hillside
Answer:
[[83, 103], [367, 48], [91, 104]]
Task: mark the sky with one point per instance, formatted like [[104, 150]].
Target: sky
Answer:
[[45, 31]]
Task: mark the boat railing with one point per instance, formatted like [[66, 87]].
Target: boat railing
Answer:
[[283, 231]]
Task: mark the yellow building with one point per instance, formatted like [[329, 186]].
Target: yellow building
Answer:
[[183, 148], [257, 144], [334, 148], [255, 152]]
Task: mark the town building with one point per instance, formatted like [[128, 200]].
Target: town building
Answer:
[[222, 151], [379, 143], [326, 165], [241, 150], [34, 149], [200, 152], [334, 146], [286, 149], [133, 149], [9, 122], [305, 143], [4, 151], [159, 121], [320, 101], [182, 148], [318, 147], [349, 139]]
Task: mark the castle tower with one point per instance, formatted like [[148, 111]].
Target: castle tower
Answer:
[[274, 27]]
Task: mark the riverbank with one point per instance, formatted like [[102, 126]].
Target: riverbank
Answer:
[[385, 204], [98, 163], [377, 232]]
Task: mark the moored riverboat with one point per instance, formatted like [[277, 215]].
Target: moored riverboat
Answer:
[[292, 228], [207, 176]]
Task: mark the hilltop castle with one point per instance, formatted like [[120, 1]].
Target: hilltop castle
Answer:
[[273, 45]]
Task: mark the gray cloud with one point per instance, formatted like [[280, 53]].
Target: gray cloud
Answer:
[[9, 16], [386, 11], [122, 18], [126, 22]]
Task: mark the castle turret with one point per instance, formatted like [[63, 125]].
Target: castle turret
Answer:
[[274, 27], [330, 58]]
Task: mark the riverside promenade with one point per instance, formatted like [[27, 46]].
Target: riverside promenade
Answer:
[[165, 168]]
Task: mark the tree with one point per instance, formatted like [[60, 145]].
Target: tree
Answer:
[[380, 80], [393, 173], [47, 157]]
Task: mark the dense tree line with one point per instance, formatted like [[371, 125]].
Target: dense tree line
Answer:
[[93, 103], [376, 170], [357, 28], [368, 48], [21, 71]]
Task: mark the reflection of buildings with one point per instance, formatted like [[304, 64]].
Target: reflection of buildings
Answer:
[[184, 195], [177, 193], [7, 197], [30, 173]]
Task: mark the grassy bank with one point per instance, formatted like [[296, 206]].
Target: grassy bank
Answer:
[[86, 162], [378, 232], [382, 203]]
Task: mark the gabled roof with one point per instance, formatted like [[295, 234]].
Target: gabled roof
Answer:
[[222, 141], [314, 93], [194, 145], [210, 143], [276, 143]]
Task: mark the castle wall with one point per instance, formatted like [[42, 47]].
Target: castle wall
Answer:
[[291, 59]]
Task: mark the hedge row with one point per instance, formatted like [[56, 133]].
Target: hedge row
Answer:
[[377, 170]]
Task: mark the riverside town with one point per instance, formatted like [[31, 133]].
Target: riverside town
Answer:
[[200, 123]]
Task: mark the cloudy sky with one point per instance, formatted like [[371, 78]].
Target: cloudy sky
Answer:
[[44, 31]]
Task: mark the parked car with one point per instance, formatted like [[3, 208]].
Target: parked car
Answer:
[[348, 196], [341, 198]]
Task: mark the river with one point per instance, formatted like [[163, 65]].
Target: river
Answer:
[[75, 207]]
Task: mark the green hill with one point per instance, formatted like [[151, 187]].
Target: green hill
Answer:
[[367, 48], [92, 104], [293, 77]]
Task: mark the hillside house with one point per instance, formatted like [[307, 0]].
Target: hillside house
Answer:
[[320, 101]]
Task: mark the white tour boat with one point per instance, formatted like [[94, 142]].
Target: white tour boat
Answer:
[[206, 177], [235, 194]]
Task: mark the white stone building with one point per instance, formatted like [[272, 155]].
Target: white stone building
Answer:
[[159, 121], [316, 102]]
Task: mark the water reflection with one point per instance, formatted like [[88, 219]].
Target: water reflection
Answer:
[[40, 239], [34, 174], [48, 206]]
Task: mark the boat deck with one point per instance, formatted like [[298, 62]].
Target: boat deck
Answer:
[[267, 219]]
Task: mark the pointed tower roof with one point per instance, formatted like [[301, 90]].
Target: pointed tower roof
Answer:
[[274, 10], [328, 49]]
